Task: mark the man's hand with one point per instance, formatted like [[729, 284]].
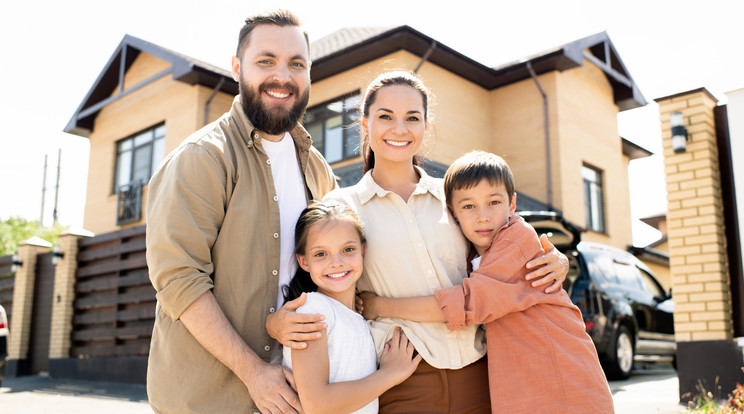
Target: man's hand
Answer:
[[272, 389], [292, 329], [551, 267]]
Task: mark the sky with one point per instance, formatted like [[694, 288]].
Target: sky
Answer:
[[53, 51]]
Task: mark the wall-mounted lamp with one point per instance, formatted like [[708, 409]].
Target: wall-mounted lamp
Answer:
[[15, 263], [56, 255], [679, 132]]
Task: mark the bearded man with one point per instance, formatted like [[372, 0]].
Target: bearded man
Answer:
[[221, 212]]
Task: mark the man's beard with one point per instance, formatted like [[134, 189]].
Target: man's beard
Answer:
[[273, 121]]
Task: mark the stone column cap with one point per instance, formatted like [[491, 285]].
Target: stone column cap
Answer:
[[35, 241], [78, 231]]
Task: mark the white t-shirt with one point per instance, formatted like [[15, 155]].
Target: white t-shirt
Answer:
[[290, 191], [475, 262], [351, 351]]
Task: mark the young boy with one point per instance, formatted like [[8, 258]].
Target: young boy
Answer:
[[540, 358]]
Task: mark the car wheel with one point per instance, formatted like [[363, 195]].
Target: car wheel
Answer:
[[620, 356]]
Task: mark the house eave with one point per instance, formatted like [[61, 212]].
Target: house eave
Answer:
[[625, 92], [101, 93]]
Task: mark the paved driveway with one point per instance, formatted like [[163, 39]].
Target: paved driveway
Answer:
[[648, 391]]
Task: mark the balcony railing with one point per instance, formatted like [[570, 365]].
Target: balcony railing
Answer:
[[129, 203]]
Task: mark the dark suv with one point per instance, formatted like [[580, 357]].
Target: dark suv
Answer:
[[627, 313]]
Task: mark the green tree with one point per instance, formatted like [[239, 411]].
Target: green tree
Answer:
[[16, 229]]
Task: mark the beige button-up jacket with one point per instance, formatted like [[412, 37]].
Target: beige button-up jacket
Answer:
[[213, 223]]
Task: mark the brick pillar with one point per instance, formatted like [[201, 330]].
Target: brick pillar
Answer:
[[697, 248], [23, 301], [64, 295]]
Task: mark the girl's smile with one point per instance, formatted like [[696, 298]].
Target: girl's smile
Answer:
[[334, 257]]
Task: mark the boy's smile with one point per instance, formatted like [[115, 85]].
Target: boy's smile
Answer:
[[481, 211]]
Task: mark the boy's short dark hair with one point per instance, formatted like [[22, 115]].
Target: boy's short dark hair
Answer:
[[473, 167]]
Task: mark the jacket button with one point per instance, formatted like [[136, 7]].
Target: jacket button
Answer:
[[267, 348]]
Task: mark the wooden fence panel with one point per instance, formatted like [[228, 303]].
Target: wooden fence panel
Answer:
[[114, 300]]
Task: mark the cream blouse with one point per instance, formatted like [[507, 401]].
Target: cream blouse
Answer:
[[413, 249]]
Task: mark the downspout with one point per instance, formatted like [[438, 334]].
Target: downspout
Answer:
[[426, 55], [209, 100], [547, 136]]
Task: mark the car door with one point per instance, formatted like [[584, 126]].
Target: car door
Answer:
[[663, 309]]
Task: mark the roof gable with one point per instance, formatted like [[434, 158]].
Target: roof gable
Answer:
[[182, 68]]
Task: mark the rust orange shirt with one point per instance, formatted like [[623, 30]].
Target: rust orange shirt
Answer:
[[540, 358]]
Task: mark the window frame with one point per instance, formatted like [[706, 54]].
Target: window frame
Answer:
[[347, 124], [115, 185], [594, 188]]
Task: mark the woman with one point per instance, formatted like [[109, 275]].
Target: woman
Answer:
[[414, 248]]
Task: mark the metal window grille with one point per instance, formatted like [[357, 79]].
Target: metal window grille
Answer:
[[129, 204]]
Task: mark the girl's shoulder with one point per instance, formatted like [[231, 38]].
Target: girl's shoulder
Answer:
[[318, 303]]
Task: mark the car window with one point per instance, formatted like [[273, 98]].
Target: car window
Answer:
[[650, 285], [600, 267], [628, 275]]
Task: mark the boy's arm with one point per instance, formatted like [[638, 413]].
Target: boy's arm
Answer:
[[492, 291], [417, 309]]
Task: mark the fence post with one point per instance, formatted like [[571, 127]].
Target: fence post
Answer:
[[23, 301], [64, 295]]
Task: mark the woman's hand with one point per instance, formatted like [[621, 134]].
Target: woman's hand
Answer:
[[551, 267], [292, 329], [397, 358]]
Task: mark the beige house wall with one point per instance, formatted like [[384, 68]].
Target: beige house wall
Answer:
[[519, 134], [179, 105], [587, 134]]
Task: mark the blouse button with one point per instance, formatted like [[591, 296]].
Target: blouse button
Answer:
[[276, 235], [276, 198], [268, 161], [274, 272]]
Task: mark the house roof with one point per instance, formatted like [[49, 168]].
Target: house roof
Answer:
[[183, 68], [349, 48], [634, 151], [654, 221]]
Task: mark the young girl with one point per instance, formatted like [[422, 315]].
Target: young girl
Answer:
[[338, 373]]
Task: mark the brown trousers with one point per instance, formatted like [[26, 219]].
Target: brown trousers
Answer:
[[432, 390]]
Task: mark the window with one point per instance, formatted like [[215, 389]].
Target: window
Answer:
[[332, 127], [138, 156], [593, 199]]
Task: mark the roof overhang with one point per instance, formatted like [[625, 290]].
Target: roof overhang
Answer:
[[597, 49], [182, 68], [634, 151]]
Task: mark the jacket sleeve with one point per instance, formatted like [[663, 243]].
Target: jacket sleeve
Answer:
[[498, 287], [185, 208]]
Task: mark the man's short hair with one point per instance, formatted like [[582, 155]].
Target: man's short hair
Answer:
[[279, 17], [470, 169]]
